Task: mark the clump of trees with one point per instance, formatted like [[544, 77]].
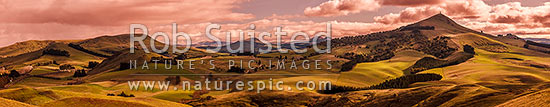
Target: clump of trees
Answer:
[[122, 94], [92, 64], [124, 66], [66, 67], [469, 49], [14, 74], [401, 82], [405, 81], [437, 47], [236, 69], [47, 63], [359, 58], [80, 73], [181, 56], [7, 78], [348, 66], [56, 52], [388, 42], [429, 62], [425, 64]]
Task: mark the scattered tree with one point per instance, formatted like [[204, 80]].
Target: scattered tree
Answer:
[[56, 52]]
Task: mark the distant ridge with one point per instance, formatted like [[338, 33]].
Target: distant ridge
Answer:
[[539, 40]]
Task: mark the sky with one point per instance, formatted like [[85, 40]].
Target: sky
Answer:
[[22, 20]]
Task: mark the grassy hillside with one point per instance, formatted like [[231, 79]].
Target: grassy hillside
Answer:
[[76, 57], [11, 103], [539, 98], [27, 46], [47, 97], [370, 73]]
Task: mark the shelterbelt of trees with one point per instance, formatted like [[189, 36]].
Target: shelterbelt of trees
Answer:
[[401, 82]]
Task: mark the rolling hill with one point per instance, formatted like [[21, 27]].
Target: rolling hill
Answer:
[[477, 69], [26, 47]]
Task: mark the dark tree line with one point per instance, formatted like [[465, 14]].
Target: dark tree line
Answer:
[[361, 39], [348, 66], [401, 82], [405, 28], [430, 63], [360, 58], [56, 52], [388, 43], [80, 48], [405, 81]]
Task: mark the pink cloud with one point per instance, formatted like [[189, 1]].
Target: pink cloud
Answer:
[[514, 13], [341, 7], [275, 16], [113, 12], [498, 19], [408, 15], [410, 2], [507, 19], [22, 20], [529, 21], [460, 9], [345, 7]]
